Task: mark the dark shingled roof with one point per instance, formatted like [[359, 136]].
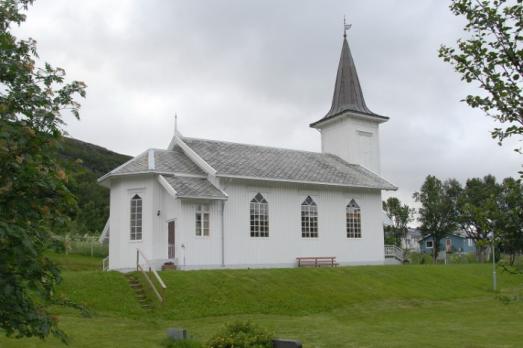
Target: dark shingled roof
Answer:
[[250, 161], [165, 161], [232, 159], [188, 187], [348, 95]]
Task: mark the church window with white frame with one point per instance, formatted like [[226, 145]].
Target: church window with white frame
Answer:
[[202, 220], [353, 213], [309, 218], [136, 218], [259, 212]]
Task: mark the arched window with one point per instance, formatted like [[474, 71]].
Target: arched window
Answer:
[[136, 218], [353, 220], [259, 216], [309, 218]]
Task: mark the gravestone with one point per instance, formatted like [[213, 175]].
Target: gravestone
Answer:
[[282, 343], [176, 334]]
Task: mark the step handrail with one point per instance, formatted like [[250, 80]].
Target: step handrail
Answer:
[[105, 264], [151, 269], [394, 251]]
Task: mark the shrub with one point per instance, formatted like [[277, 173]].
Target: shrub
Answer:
[[463, 258], [241, 335], [419, 258]]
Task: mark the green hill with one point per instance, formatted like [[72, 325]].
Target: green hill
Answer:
[[84, 164], [367, 306]]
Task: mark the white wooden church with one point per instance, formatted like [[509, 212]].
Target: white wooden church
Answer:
[[210, 204]]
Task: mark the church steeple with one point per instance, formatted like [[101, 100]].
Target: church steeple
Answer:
[[348, 96]]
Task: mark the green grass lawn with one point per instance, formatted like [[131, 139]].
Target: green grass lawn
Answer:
[[371, 306]]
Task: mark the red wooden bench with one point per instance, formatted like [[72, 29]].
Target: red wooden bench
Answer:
[[317, 261]]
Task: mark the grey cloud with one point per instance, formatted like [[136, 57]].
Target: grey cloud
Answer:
[[261, 71]]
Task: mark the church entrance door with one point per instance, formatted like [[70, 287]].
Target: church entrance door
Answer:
[[170, 239]]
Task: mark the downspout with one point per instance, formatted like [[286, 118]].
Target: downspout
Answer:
[[223, 234]]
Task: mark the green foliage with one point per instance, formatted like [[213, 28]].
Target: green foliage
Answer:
[[400, 215], [461, 258], [492, 57], [438, 214], [419, 258], [241, 335], [509, 224], [478, 210], [84, 164], [34, 197]]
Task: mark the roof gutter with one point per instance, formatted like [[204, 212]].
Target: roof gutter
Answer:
[[391, 188], [373, 117]]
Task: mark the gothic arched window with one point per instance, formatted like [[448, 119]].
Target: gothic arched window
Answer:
[[309, 218], [136, 218], [353, 220], [259, 216]]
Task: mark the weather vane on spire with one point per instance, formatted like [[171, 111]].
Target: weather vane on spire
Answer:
[[345, 27]]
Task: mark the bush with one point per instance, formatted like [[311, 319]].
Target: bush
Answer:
[[463, 258], [419, 258], [241, 335]]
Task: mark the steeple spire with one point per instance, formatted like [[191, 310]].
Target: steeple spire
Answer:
[[348, 96]]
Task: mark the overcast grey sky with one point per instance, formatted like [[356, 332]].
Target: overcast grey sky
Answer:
[[260, 71]]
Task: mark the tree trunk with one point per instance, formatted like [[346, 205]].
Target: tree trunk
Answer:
[[481, 253]]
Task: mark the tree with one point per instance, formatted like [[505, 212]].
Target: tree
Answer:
[[509, 224], [478, 211], [492, 57], [400, 215], [438, 213], [33, 195]]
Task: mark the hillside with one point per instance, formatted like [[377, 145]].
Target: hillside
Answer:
[[84, 164], [94, 158], [367, 306]]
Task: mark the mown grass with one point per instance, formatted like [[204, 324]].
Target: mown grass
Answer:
[[375, 306], [76, 262]]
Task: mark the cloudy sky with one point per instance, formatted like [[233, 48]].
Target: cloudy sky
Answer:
[[260, 71]]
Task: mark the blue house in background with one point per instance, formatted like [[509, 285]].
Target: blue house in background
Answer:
[[453, 243]]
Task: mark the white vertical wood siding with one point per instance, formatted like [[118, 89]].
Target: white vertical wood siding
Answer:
[[122, 250], [285, 243], [342, 138], [280, 249]]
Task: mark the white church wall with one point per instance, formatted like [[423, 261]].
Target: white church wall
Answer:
[[285, 242], [280, 249], [198, 251], [354, 139], [122, 250]]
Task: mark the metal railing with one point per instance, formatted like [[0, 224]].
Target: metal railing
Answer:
[[160, 293], [105, 264], [394, 251]]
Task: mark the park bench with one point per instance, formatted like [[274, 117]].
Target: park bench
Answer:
[[316, 261]]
